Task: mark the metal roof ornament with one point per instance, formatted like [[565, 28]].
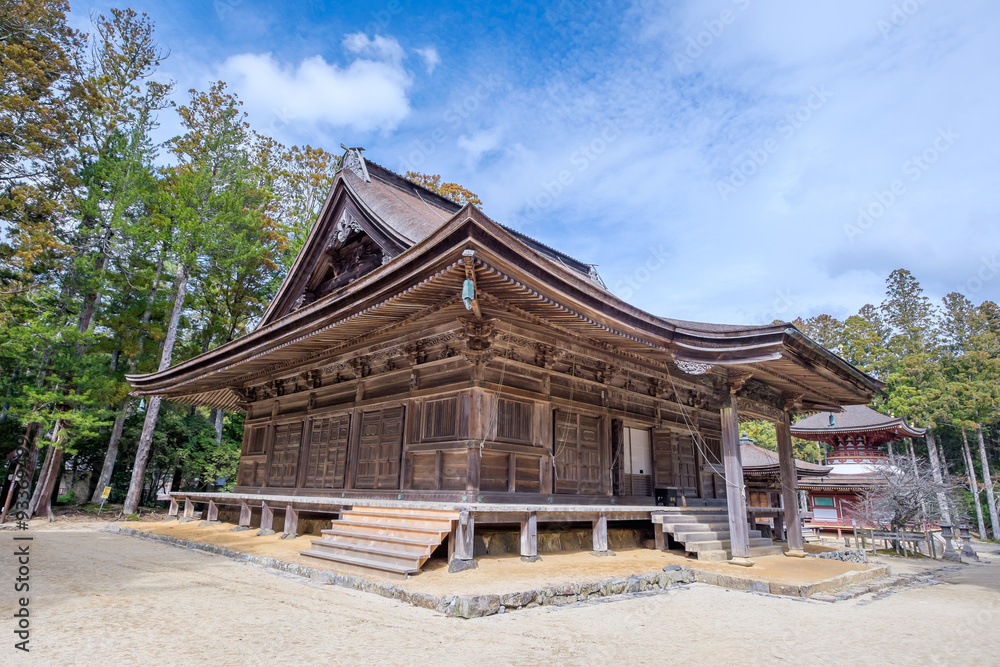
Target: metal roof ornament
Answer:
[[355, 162], [692, 367]]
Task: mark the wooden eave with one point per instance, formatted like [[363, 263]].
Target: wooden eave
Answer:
[[513, 274]]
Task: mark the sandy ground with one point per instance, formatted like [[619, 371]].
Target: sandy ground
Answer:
[[507, 574], [99, 598]]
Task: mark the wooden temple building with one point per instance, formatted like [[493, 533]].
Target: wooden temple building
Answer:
[[762, 477], [857, 435], [424, 371]]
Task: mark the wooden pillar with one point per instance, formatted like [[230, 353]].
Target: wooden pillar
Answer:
[[266, 519], [601, 537], [659, 537], [291, 523], [213, 511], [173, 507], [789, 481], [739, 533], [477, 434], [188, 509], [461, 544], [529, 538], [244, 517]]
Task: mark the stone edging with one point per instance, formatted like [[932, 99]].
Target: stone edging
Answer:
[[845, 580], [460, 606]]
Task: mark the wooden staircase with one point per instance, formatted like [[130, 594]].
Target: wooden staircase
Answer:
[[704, 532], [392, 541]]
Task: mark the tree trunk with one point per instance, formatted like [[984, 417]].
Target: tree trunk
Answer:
[[973, 484], [932, 451], [116, 432], [217, 421], [36, 496], [892, 453], [112, 454], [916, 474], [988, 483], [153, 409]]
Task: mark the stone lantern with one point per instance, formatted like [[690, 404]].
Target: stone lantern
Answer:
[[967, 550], [948, 533]]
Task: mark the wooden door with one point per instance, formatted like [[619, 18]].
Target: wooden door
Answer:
[[328, 452], [675, 460], [577, 454], [663, 459], [285, 455], [687, 465], [380, 449]]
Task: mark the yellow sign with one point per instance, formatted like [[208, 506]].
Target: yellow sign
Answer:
[[106, 493]]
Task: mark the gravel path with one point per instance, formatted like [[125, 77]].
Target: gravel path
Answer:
[[99, 598]]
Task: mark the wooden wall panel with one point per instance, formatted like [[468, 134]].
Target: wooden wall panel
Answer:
[[285, 455], [328, 452], [494, 471], [578, 444], [380, 449], [514, 421]]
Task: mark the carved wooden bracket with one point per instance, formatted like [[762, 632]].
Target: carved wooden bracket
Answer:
[[737, 379]]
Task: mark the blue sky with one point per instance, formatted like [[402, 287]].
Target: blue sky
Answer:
[[727, 160]]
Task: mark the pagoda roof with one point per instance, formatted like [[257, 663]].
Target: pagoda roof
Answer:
[[854, 420], [760, 461], [428, 243]]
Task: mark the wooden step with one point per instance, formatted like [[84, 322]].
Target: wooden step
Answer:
[[710, 535], [375, 554], [396, 539], [710, 545], [405, 511], [755, 552], [363, 563], [390, 529], [423, 549], [377, 518]]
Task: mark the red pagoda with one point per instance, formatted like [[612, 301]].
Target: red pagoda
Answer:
[[857, 435]]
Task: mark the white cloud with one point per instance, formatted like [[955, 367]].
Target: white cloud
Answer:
[[379, 47], [369, 94], [431, 58], [479, 143]]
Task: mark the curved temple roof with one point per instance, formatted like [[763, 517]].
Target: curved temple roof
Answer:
[[854, 420], [425, 240]]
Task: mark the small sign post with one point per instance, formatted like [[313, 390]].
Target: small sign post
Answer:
[[105, 494]]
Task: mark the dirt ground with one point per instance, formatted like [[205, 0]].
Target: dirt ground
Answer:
[[507, 574], [100, 598]]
